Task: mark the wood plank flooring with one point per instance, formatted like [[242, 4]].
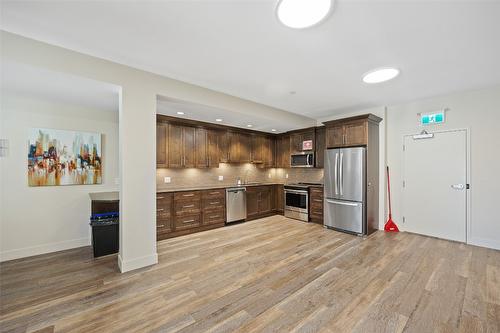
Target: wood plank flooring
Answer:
[[268, 275]]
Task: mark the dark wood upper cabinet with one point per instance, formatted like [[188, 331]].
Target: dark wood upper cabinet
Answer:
[[320, 147], [223, 143], [245, 147], [297, 138], [257, 148], [349, 132], [212, 148], [283, 151], [175, 150], [233, 147], [161, 145], [269, 152], [189, 146], [201, 148]]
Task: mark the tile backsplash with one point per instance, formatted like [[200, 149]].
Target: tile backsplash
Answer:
[[230, 173]]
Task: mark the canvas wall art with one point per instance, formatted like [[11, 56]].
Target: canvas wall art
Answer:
[[60, 157]]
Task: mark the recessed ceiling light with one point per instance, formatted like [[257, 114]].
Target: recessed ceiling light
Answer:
[[299, 14], [273, 130], [180, 112], [380, 75], [293, 92], [218, 119], [249, 125]]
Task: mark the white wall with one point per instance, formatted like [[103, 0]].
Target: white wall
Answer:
[[37, 220], [479, 111]]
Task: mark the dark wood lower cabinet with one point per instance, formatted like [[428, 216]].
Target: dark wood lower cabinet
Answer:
[[185, 212], [316, 204]]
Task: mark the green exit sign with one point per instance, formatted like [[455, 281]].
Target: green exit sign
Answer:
[[432, 118]]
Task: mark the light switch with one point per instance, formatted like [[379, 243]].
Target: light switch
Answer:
[[221, 178], [117, 181], [166, 180]]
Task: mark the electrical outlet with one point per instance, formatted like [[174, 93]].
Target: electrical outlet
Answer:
[[286, 176], [221, 178], [269, 175], [167, 180]]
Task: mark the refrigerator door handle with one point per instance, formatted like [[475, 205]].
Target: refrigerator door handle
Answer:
[[341, 172], [343, 203], [336, 174]]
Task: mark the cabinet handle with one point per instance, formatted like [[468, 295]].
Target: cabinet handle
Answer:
[[160, 226], [188, 195], [214, 192], [160, 210], [214, 216], [187, 221], [214, 203], [318, 200], [160, 198], [187, 206]]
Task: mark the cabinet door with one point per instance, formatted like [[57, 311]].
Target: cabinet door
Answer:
[[335, 136], [201, 151], [253, 201], [308, 136], [296, 142], [265, 205], [269, 152], [223, 142], [161, 145], [212, 149], [245, 145], [356, 133], [283, 153], [280, 198], [257, 148], [320, 147], [234, 147], [175, 151], [189, 147]]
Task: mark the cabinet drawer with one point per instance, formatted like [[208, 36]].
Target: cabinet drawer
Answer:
[[187, 222], [213, 216], [163, 226], [316, 192], [214, 194], [316, 213], [163, 205], [187, 195], [213, 203], [187, 207], [317, 205], [316, 202]]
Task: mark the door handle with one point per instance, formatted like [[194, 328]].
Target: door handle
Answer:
[[458, 186], [343, 203], [336, 174], [341, 174]]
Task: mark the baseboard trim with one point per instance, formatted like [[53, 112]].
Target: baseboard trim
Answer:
[[130, 265], [42, 249], [483, 242]]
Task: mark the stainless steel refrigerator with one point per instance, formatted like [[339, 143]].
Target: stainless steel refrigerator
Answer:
[[345, 189]]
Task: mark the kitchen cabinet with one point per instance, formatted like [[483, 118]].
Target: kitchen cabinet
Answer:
[[181, 146], [297, 138], [349, 132], [320, 147], [279, 199], [269, 152], [283, 151], [240, 147], [223, 144], [188, 146], [259, 201], [161, 145], [257, 148], [201, 151], [316, 204], [164, 221], [212, 149], [185, 212]]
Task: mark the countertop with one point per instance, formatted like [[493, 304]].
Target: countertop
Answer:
[[105, 196], [215, 186]]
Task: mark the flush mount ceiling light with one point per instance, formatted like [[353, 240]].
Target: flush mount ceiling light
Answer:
[[380, 75], [273, 130], [249, 125], [180, 112], [300, 14], [218, 119]]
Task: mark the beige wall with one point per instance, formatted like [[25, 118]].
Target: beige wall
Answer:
[[230, 172], [37, 220]]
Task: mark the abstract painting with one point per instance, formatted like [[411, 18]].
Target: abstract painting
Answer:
[[60, 157]]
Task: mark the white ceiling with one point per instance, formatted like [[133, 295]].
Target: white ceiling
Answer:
[[58, 87], [238, 47]]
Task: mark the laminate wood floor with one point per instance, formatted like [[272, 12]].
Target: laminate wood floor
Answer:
[[268, 275]]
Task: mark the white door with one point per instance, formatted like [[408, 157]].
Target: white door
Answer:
[[434, 185]]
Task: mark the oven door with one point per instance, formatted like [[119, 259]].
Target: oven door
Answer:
[[296, 200]]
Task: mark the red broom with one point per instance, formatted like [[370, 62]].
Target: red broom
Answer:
[[390, 226]]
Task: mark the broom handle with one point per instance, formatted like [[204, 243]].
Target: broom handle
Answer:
[[389, 190]]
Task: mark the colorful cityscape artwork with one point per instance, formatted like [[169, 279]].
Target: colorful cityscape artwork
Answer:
[[60, 157]]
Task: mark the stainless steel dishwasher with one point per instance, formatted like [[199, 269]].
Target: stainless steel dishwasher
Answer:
[[236, 204]]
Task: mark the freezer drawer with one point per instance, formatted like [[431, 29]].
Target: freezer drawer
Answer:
[[344, 215]]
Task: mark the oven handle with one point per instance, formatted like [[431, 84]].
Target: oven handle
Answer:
[[296, 191]]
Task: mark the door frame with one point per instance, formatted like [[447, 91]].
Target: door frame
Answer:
[[467, 176]]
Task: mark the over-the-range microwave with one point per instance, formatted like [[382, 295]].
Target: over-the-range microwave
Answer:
[[302, 160]]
